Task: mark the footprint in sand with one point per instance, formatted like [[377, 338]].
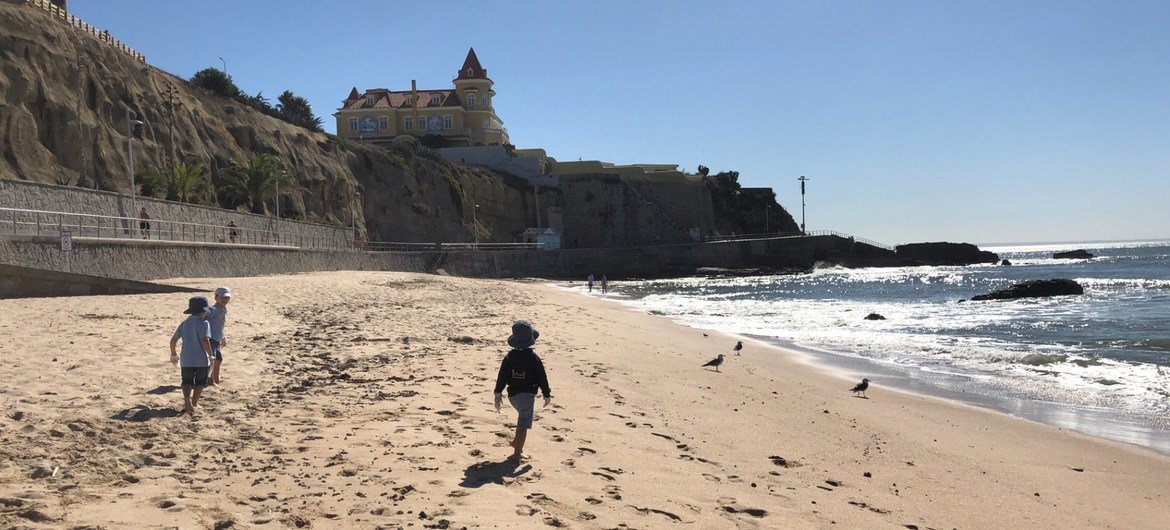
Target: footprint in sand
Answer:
[[613, 492], [711, 477], [581, 451], [593, 500], [568, 462], [603, 475], [525, 510]]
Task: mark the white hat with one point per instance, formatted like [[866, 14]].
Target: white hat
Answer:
[[223, 292]]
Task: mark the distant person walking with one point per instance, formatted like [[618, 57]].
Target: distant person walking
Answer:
[[232, 232], [604, 284], [144, 223], [522, 373], [590, 281], [217, 319], [195, 360]]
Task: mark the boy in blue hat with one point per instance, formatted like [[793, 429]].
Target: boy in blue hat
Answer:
[[218, 318], [195, 360], [522, 373]]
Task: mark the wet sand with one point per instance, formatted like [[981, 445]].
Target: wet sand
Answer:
[[363, 400]]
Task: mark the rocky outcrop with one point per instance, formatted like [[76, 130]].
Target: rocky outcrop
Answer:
[[944, 254], [1074, 254], [874, 316], [1034, 289], [64, 97]]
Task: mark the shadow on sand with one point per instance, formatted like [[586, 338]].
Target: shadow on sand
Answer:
[[164, 389], [141, 413], [481, 473]]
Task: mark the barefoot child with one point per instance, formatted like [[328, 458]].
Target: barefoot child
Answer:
[[195, 360], [522, 372], [218, 318]]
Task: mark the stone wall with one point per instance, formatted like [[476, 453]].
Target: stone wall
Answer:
[[143, 260], [601, 210], [71, 199], [24, 282], [496, 157]]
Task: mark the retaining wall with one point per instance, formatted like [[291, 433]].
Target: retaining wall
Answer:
[[71, 199], [152, 260]]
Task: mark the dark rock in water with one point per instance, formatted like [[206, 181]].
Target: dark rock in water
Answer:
[[1006, 263], [1034, 289], [874, 316], [1074, 254], [945, 254]]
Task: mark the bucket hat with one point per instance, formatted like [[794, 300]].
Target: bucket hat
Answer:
[[523, 335], [196, 305]]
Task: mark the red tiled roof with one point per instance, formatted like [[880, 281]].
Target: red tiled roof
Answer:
[[397, 99], [471, 68]]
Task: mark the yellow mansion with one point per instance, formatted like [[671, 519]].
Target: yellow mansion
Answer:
[[462, 115]]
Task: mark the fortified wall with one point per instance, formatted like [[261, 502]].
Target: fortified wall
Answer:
[[609, 211]]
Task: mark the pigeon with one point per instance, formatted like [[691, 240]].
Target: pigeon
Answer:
[[715, 362], [860, 388], [738, 346]]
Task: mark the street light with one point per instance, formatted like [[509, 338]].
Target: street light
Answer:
[[224, 66], [475, 225], [130, 123], [802, 180]]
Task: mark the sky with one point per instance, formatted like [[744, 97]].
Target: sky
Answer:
[[979, 121]]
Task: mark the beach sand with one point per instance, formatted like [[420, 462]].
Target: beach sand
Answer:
[[363, 400]]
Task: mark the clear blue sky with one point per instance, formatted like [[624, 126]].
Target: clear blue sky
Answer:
[[980, 121]]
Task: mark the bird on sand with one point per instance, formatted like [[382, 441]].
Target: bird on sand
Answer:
[[860, 388], [715, 362], [738, 346]]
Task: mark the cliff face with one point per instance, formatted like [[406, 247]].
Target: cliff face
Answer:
[[64, 97]]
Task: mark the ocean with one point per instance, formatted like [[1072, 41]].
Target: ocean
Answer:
[[1097, 363]]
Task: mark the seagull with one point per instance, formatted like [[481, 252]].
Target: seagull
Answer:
[[738, 346], [715, 362], [860, 388]]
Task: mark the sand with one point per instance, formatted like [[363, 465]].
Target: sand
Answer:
[[363, 400]]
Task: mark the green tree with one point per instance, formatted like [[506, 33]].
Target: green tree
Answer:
[[254, 181], [214, 80], [191, 183], [297, 111]]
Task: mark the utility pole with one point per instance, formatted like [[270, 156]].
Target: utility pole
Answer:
[[802, 180], [225, 74], [475, 225]]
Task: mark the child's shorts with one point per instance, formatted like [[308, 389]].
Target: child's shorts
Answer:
[[524, 404], [215, 349], [196, 377]]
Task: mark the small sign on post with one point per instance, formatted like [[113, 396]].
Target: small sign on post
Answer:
[[66, 241]]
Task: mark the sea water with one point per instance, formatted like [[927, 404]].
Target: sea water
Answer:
[[1098, 363]]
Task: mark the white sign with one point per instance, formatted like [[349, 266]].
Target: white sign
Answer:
[[66, 241]]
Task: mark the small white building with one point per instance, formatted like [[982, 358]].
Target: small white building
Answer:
[[548, 238]]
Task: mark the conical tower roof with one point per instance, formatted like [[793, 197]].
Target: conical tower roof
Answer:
[[471, 68]]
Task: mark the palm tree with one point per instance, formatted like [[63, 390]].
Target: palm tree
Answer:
[[255, 181], [190, 183]]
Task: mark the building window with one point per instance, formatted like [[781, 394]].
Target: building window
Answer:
[[353, 124], [408, 123], [436, 99], [485, 124], [470, 71], [383, 123], [471, 99], [486, 102], [448, 122], [369, 101]]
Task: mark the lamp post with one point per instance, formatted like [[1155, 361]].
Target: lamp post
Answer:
[[224, 66], [130, 123], [475, 225], [802, 180], [767, 218]]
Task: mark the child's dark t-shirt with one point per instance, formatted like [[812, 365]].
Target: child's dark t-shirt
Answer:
[[522, 372]]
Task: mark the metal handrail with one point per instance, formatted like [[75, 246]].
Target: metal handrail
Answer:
[[23, 222], [793, 235]]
